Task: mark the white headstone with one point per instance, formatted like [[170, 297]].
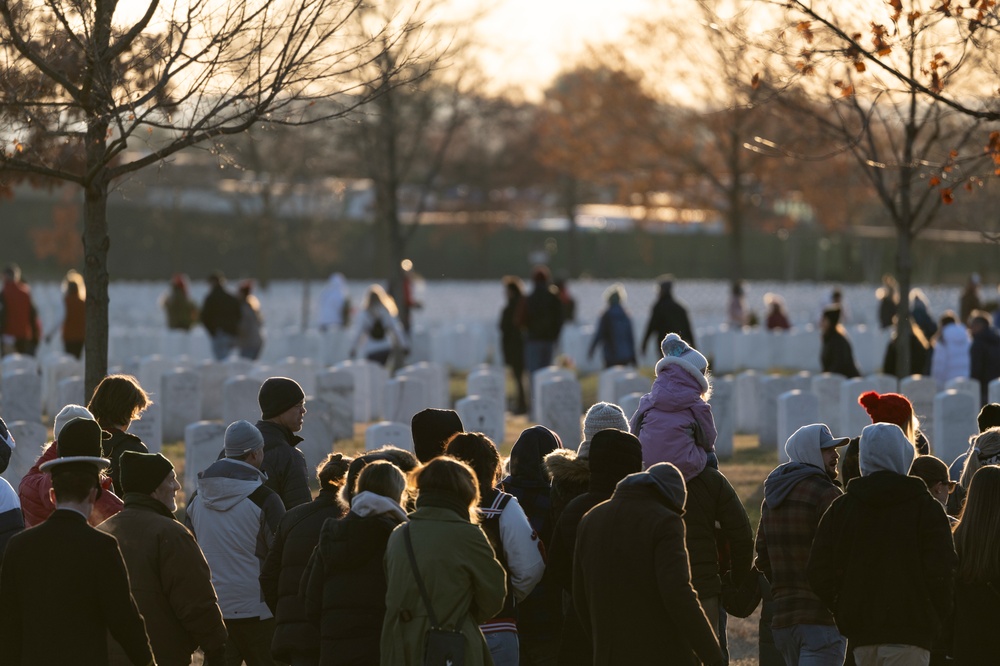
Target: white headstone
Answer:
[[724, 413], [539, 377], [435, 379], [801, 351], [239, 399], [482, 414], [748, 402], [302, 370], [955, 415], [70, 392], [632, 382], [149, 427], [770, 388], [795, 409], [213, 377], [203, 441], [964, 385], [404, 397], [921, 390], [826, 386], [385, 432], [29, 438], [725, 359], [18, 363], [561, 408], [606, 382], [884, 383], [151, 371], [180, 397], [54, 372], [488, 382], [21, 396], [336, 388], [853, 417], [630, 404], [753, 350], [317, 433]]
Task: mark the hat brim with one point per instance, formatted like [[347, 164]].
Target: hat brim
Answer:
[[100, 463], [835, 442]]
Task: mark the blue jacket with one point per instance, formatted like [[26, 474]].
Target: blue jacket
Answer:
[[614, 334]]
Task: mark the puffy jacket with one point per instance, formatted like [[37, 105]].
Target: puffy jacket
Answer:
[[614, 334], [950, 357], [345, 583], [33, 492], [297, 536], [671, 416], [284, 464], [234, 517]]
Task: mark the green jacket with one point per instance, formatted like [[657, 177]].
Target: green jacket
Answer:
[[466, 583]]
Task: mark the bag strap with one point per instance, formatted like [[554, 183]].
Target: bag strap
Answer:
[[416, 574]]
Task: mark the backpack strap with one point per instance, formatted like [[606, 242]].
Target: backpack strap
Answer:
[[416, 574]]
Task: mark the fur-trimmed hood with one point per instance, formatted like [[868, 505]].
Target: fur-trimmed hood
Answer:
[[564, 467]]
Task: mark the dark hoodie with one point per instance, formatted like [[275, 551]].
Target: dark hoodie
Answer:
[[540, 614], [614, 454], [883, 561], [984, 358]]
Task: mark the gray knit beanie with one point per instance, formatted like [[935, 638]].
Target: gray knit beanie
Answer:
[[601, 416], [242, 437]]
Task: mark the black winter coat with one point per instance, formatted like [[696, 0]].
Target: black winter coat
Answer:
[[836, 355], [345, 589], [297, 536], [284, 464], [667, 316], [984, 359], [883, 561], [221, 312], [977, 616], [712, 499], [632, 584], [920, 358], [543, 314]]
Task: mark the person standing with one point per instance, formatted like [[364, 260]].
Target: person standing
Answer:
[[296, 640], [117, 401], [969, 301], [738, 315], [167, 571], [950, 353], [282, 413], [181, 311], [63, 584], [888, 301], [883, 560], [920, 361], [334, 304], [379, 329], [234, 516], [777, 316], [250, 338], [796, 494], [614, 330], [512, 338], [20, 330], [220, 315], [836, 355], [542, 320], [74, 323], [632, 582], [667, 316], [984, 353]]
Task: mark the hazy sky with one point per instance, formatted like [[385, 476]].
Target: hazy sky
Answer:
[[527, 41]]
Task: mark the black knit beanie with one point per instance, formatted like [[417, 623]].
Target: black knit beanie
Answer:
[[989, 417], [277, 395], [431, 430], [614, 454], [143, 472]]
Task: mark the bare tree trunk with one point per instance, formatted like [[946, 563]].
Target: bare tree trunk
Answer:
[[569, 201], [96, 244], [734, 194]]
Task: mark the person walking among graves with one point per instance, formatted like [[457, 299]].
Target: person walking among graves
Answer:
[[282, 412], [63, 584], [984, 353], [181, 311], [569, 470], [836, 354], [667, 316], [431, 429], [919, 353], [74, 323], [950, 350], [296, 640], [220, 315], [34, 489], [20, 329], [632, 582], [614, 330], [512, 338], [977, 604], [513, 539], [888, 301], [441, 572], [920, 313], [234, 516], [344, 582], [777, 316], [539, 618], [738, 315], [969, 301], [250, 336], [674, 421], [796, 494], [883, 560], [542, 320], [167, 572], [117, 401], [379, 329], [334, 304], [613, 455]]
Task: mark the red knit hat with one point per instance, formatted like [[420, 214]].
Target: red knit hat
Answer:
[[887, 408]]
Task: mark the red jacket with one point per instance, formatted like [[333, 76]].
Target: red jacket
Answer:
[[19, 317], [34, 494]]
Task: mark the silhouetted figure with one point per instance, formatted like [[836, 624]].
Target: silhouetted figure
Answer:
[[251, 337], [181, 311], [74, 324], [667, 316], [888, 300], [220, 314], [984, 354], [614, 330], [512, 338], [836, 355], [777, 316], [20, 329], [542, 320], [969, 301]]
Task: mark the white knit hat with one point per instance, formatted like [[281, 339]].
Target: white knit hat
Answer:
[[601, 416], [674, 345], [67, 414]]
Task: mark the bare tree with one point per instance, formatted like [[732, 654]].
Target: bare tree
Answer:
[[90, 92]]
